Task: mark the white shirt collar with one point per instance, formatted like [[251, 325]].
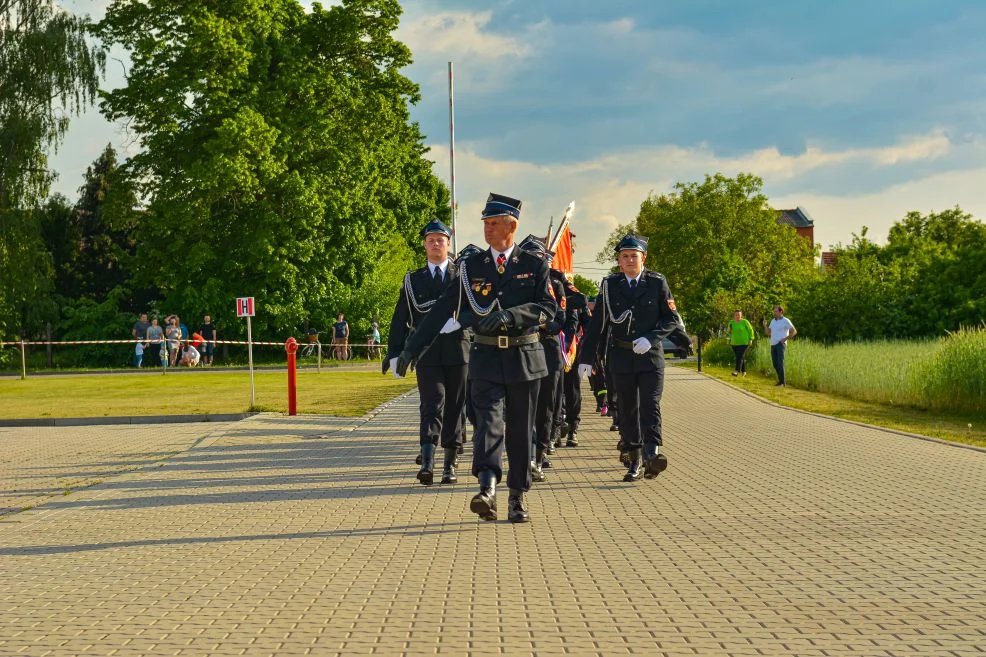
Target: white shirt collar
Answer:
[[443, 267], [506, 254], [637, 278]]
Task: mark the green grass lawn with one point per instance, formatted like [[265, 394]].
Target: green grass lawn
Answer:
[[329, 393], [944, 425]]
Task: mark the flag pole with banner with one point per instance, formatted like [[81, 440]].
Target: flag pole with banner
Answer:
[[562, 260]]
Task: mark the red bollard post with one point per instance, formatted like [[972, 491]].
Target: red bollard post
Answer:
[[291, 345]]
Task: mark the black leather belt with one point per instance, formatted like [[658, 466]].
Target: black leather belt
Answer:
[[622, 344], [506, 341]]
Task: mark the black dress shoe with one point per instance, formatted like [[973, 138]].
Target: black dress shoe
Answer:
[[655, 466], [517, 507], [633, 462], [483, 503], [614, 427], [426, 475], [573, 439], [448, 472], [460, 449], [417, 459]]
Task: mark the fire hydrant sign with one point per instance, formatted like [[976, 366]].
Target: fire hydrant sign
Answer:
[[244, 307]]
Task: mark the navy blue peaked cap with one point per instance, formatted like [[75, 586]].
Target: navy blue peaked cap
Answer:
[[634, 242], [498, 205], [436, 227], [533, 244], [467, 251]]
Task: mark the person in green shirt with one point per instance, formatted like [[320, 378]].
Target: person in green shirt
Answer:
[[740, 337]]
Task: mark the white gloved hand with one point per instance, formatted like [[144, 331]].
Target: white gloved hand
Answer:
[[451, 326], [584, 370], [393, 368], [641, 346]]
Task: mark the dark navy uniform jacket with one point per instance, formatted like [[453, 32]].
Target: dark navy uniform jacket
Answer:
[[418, 294], [648, 311], [522, 291]]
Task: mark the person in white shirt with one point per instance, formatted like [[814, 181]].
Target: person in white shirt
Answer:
[[780, 331], [190, 356]]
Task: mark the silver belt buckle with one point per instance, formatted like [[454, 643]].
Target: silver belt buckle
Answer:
[[503, 341]]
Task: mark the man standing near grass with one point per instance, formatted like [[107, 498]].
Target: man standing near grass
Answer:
[[741, 338], [780, 331]]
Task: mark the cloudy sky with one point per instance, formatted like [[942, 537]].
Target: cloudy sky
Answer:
[[856, 110]]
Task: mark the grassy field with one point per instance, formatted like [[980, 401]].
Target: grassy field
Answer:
[[943, 374], [967, 428], [330, 393]]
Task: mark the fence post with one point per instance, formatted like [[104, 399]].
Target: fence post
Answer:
[[319, 366], [291, 345], [700, 353], [51, 360], [23, 360]]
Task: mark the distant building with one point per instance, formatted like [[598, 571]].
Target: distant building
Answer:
[[800, 220]]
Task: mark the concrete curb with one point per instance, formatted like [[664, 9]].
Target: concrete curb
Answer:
[[134, 419], [907, 434]]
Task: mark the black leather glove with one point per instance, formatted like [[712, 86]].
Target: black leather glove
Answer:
[[495, 322], [403, 362], [385, 366]]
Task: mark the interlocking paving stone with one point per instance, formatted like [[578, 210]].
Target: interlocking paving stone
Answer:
[[772, 532]]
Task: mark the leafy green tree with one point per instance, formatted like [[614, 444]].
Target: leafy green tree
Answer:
[[277, 151], [48, 70], [587, 286], [721, 248]]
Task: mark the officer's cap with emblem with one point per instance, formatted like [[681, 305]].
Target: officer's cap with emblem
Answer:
[[468, 250], [534, 245], [436, 227], [498, 205], [632, 243]]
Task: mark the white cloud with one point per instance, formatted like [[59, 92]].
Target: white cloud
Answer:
[[608, 190], [460, 34]]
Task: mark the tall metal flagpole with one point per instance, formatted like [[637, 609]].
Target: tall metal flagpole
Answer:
[[451, 152]]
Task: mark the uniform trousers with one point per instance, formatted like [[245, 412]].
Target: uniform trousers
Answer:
[[442, 389], [504, 417], [640, 407], [546, 417], [573, 398]]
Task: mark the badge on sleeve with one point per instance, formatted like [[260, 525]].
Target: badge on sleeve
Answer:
[[671, 305]]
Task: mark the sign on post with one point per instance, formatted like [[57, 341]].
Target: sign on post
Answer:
[[245, 308]]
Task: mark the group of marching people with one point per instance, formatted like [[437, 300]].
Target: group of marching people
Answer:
[[499, 337]]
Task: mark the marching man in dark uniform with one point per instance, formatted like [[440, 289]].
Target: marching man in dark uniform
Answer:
[[550, 384], [502, 293], [638, 310], [576, 323], [442, 368]]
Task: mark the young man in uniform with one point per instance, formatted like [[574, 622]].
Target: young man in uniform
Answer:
[[637, 308], [502, 293], [442, 367]]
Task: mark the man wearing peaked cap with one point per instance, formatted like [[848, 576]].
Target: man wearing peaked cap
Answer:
[[502, 294], [637, 309], [442, 367], [468, 250]]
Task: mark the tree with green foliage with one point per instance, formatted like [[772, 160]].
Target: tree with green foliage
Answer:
[[720, 246], [278, 155], [49, 70], [930, 278], [586, 286]]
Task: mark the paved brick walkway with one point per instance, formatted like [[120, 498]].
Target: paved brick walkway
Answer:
[[772, 533]]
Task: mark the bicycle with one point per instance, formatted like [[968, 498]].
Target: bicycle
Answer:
[[312, 346], [373, 350]]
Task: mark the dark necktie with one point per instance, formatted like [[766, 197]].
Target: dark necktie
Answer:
[[438, 274], [633, 283]]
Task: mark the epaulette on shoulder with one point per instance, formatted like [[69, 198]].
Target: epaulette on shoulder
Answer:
[[528, 257], [653, 274], [614, 277]]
